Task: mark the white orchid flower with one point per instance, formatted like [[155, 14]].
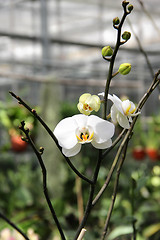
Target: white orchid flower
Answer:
[[122, 111], [88, 103], [72, 132]]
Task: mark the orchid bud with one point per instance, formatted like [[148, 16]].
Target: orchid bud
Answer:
[[124, 68], [125, 3], [116, 21], [126, 35], [130, 7], [107, 51]]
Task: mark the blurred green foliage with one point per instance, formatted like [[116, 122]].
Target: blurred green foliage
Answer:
[[138, 197]]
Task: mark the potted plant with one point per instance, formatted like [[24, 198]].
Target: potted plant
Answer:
[[138, 140], [10, 118], [152, 138]]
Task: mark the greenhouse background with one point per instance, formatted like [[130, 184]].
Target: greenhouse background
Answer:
[[50, 54]]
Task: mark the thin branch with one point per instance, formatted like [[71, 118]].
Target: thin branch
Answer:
[[142, 50], [141, 103], [115, 189], [44, 173], [111, 170], [91, 194], [114, 143], [133, 183], [13, 226], [149, 16], [50, 132], [112, 59], [82, 233]]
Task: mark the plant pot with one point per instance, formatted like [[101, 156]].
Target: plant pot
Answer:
[[152, 154], [17, 144], [139, 153]]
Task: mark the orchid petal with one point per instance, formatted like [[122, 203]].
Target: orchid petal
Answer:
[[126, 106], [84, 97], [123, 121], [72, 151], [81, 120], [103, 130], [133, 108], [114, 112], [82, 110], [103, 145], [65, 133], [94, 102], [117, 102], [101, 94]]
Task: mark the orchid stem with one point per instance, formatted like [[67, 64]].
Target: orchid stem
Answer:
[[112, 59], [13, 226], [44, 173], [115, 190], [90, 199], [33, 111]]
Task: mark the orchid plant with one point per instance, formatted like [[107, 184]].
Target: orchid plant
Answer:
[[86, 128]]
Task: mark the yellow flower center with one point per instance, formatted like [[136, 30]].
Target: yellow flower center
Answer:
[[85, 137], [87, 107]]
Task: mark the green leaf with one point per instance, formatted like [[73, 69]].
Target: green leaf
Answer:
[[119, 231], [149, 231]]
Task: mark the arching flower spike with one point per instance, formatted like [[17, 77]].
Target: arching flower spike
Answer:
[[74, 131], [88, 103], [122, 111]]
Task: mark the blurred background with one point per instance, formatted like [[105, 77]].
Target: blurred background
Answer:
[[50, 53]]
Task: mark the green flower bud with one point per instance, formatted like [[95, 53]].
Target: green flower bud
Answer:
[[107, 51], [130, 7], [124, 68], [126, 35], [125, 3], [116, 21]]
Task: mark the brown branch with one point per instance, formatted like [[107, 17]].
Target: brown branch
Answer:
[[33, 111], [115, 189], [112, 59], [141, 103], [142, 50], [91, 194], [44, 173], [13, 226]]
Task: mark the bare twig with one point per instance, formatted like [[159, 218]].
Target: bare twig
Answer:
[[149, 16], [81, 235], [114, 143], [50, 132], [115, 189], [44, 173], [141, 103], [142, 50], [13, 226], [112, 59], [91, 194]]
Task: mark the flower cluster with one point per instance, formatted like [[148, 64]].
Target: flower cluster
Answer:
[[79, 129]]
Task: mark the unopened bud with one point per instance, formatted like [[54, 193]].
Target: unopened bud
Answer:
[[126, 35], [107, 51], [41, 150], [24, 139], [124, 68], [33, 111], [125, 3], [116, 21], [130, 7]]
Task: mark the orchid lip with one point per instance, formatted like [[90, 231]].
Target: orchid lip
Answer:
[[84, 136]]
